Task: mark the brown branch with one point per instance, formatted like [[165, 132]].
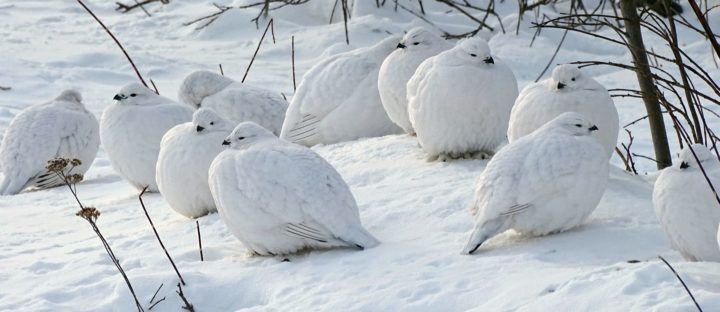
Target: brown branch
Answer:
[[138, 4], [269, 26], [681, 282], [137, 72], [142, 204]]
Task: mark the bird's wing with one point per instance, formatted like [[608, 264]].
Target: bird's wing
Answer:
[[324, 88], [243, 102], [300, 188], [414, 84]]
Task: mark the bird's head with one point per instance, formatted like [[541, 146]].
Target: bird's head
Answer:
[[687, 161], [476, 51], [566, 77], [200, 84], [246, 134], [206, 120], [70, 95], [572, 123], [134, 94], [418, 39]]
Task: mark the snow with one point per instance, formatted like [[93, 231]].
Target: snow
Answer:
[[51, 260]]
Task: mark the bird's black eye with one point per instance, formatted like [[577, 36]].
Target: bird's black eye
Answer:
[[573, 79], [473, 54], [416, 43], [133, 95], [578, 125], [212, 123], [241, 138]]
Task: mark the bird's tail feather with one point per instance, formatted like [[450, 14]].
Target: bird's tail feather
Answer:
[[361, 239], [483, 231]]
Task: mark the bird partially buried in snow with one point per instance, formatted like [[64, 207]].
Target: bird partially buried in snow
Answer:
[[131, 130], [415, 47], [686, 205], [568, 90], [548, 181], [459, 101], [278, 197], [61, 128], [338, 99], [237, 102], [186, 152]]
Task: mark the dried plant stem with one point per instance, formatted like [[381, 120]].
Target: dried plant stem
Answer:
[[188, 306], [345, 20], [292, 46], [681, 282], [269, 26], [3, 88], [137, 72], [154, 87], [197, 225], [547, 66], [222, 73], [142, 204]]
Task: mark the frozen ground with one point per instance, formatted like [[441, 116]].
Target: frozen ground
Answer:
[[51, 260]]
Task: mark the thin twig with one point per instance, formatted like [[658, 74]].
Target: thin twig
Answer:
[[197, 225], [156, 303], [188, 306], [154, 87], [142, 8], [2, 88], [142, 204], [156, 292], [269, 26], [137, 72], [221, 70], [292, 46], [557, 49], [681, 282]]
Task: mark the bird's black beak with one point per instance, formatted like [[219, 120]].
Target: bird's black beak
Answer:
[[226, 142], [561, 85], [489, 60], [200, 128], [593, 128], [401, 46], [119, 97], [684, 165]]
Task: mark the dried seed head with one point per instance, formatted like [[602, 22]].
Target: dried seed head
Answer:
[[89, 213], [57, 164], [74, 178], [75, 162]]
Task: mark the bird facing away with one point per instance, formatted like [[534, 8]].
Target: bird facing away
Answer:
[[186, 152], [338, 99], [415, 47], [59, 128], [548, 181], [459, 101], [278, 197], [237, 102], [568, 90], [131, 130], [686, 205]]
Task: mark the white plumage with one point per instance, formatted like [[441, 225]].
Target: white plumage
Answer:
[[237, 102], [186, 152], [459, 101], [568, 90], [338, 99], [415, 47], [131, 130], [546, 182], [59, 128], [278, 197], [687, 207]]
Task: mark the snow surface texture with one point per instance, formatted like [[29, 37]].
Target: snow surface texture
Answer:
[[415, 47], [235, 101], [186, 152], [338, 99], [278, 197], [51, 259], [131, 130], [549, 181], [459, 101], [567, 90], [687, 208], [59, 128]]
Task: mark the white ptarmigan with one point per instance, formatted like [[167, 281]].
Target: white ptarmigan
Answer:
[[236, 102], [186, 152], [548, 181], [338, 99], [686, 206], [459, 101], [278, 197], [415, 47], [131, 130], [568, 90], [59, 128]]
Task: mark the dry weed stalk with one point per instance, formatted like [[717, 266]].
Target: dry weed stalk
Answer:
[[152, 225], [124, 8], [272, 31], [59, 166], [682, 282]]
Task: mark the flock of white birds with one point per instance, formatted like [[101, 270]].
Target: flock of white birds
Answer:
[[243, 151]]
